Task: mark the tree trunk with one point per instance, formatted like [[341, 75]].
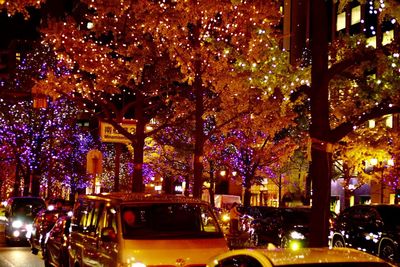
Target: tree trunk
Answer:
[[167, 185], [137, 183], [118, 147], [212, 183], [320, 129], [27, 182], [199, 131], [247, 192], [347, 195], [17, 182], [307, 193]]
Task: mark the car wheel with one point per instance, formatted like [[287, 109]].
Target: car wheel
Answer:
[[63, 259], [46, 260], [338, 242], [387, 251], [35, 251]]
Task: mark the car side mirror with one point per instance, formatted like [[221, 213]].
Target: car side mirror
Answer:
[[108, 234]]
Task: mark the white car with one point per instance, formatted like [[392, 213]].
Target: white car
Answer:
[[305, 257]]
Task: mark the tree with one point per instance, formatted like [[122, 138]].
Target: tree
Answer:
[[134, 58], [352, 156], [259, 141], [366, 101]]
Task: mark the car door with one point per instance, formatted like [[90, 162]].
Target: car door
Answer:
[[107, 248], [346, 224], [370, 233], [362, 227], [90, 250], [54, 242]]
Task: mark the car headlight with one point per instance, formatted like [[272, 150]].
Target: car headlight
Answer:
[[17, 224], [136, 264], [296, 235], [294, 245], [225, 217]]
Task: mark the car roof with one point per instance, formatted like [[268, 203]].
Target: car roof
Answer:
[[142, 198], [279, 257], [25, 197]]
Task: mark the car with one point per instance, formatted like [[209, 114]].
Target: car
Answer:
[[42, 224], [138, 229], [55, 251], [372, 228], [20, 212], [281, 227], [252, 214], [303, 257]]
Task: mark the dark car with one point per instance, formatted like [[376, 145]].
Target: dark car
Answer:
[[372, 228], [42, 224], [254, 215], [20, 212], [282, 227], [55, 252]]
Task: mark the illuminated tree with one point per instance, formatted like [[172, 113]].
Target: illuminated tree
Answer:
[[124, 49], [391, 178], [46, 143], [352, 158], [48, 147]]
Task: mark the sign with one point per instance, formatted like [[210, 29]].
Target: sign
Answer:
[[94, 162], [109, 134]]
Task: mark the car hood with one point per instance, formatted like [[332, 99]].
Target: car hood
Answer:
[[173, 252]]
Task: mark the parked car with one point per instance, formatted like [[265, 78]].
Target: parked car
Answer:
[[254, 215], [117, 229], [20, 212], [372, 228], [55, 252], [282, 227], [42, 224], [305, 257]]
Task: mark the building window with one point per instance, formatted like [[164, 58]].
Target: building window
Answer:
[[341, 21], [355, 15], [388, 37], [389, 121], [371, 41], [371, 123]]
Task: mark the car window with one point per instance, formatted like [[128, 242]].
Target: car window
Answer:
[[108, 219], [239, 261], [27, 206], [168, 220], [390, 215], [297, 216]]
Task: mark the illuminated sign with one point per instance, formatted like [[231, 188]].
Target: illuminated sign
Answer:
[[109, 134]]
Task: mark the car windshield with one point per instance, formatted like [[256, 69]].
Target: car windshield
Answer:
[[27, 207], [297, 216], [168, 221]]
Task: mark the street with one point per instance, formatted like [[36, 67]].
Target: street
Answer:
[[17, 256]]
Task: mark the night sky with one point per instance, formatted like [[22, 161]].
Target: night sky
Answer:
[[17, 28]]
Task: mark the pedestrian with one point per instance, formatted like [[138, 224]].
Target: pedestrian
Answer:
[[234, 216]]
